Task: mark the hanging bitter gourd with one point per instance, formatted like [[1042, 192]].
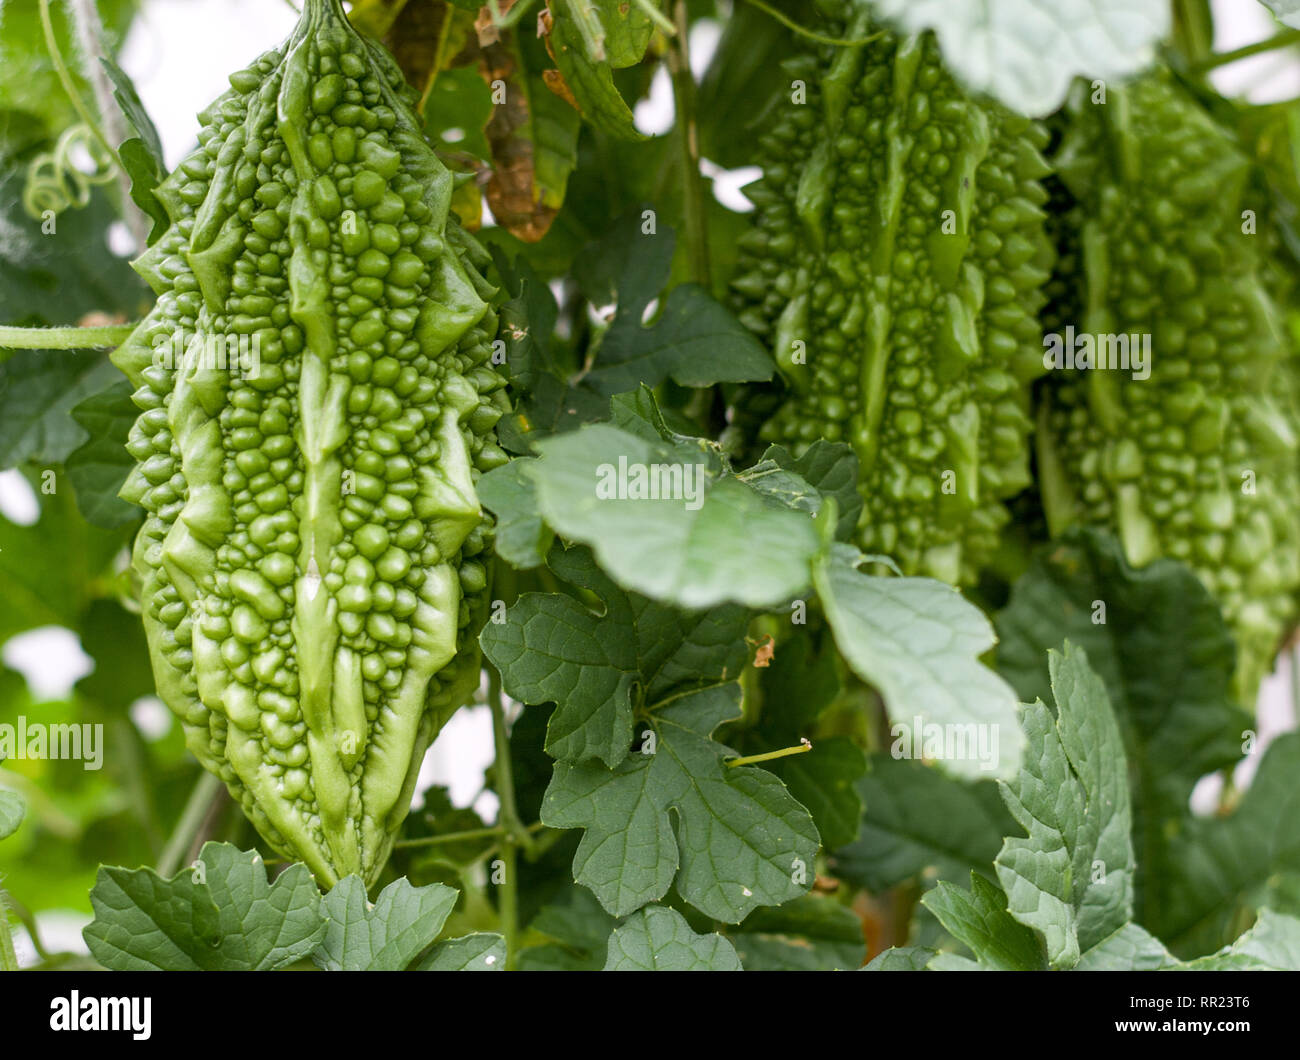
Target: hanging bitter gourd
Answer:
[[313, 556], [1198, 461], [895, 267]]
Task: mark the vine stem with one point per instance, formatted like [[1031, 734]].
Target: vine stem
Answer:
[[70, 338], [511, 17], [509, 906], [182, 838], [27, 920], [90, 33], [515, 834], [439, 57], [65, 79], [509, 815], [1193, 30], [450, 837], [8, 958], [1281, 40], [652, 12], [696, 223], [460, 837], [804, 31], [784, 752]]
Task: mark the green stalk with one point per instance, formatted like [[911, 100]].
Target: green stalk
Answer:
[[509, 819], [65, 79], [511, 17], [1193, 33], [439, 57], [784, 752], [803, 31], [696, 221], [652, 12], [8, 958], [187, 828], [450, 837], [509, 901], [516, 834], [1281, 40], [66, 338], [27, 920]]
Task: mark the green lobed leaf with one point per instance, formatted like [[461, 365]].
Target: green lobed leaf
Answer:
[[99, 467], [142, 154], [522, 538], [386, 936], [730, 838], [782, 486], [1271, 944], [921, 822], [38, 391], [480, 952], [918, 642], [1130, 948], [979, 918], [813, 933], [900, 959], [115, 641], [229, 917], [1218, 867], [832, 469], [638, 412], [680, 551], [612, 31], [660, 940], [1286, 11], [459, 100], [12, 809], [600, 668], [694, 340], [577, 930], [952, 962], [1166, 656], [591, 80], [1025, 53], [1071, 880], [544, 401]]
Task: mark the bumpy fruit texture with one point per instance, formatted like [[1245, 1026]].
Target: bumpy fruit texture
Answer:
[[1199, 461], [312, 559], [896, 268]]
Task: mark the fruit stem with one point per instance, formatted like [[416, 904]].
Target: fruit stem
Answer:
[[69, 338], [1281, 40], [187, 828]]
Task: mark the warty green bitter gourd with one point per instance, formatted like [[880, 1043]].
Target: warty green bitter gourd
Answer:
[[313, 554], [895, 268], [1198, 461]]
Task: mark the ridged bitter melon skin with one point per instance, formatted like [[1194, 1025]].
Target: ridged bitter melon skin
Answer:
[[899, 247], [1198, 462], [313, 555]]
